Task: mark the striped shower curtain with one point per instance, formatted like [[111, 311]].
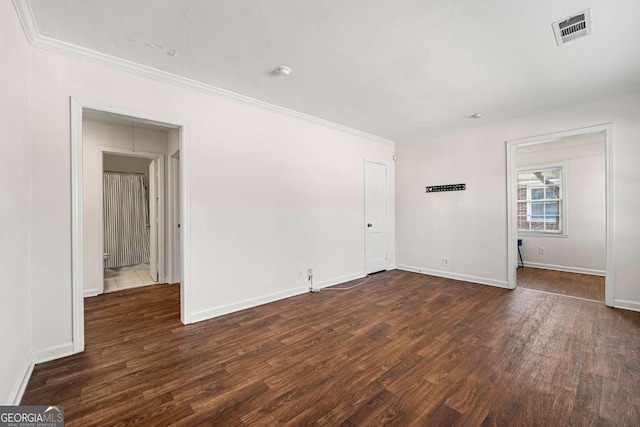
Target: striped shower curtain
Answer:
[[126, 215]]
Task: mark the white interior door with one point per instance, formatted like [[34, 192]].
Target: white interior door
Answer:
[[177, 261], [153, 220], [375, 208]]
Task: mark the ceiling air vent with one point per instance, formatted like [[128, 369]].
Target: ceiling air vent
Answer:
[[573, 27]]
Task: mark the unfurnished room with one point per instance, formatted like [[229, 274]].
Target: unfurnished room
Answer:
[[243, 213]]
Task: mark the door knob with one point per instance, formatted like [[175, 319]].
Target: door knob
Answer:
[[369, 225]]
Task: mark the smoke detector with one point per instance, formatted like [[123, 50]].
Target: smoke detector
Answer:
[[573, 27], [282, 70]]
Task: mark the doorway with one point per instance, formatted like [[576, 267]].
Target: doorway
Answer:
[[132, 219], [375, 206], [80, 213], [559, 213]]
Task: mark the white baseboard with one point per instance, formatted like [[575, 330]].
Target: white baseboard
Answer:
[[580, 270], [339, 280], [626, 304], [231, 308], [90, 292], [23, 380], [455, 276], [53, 353]]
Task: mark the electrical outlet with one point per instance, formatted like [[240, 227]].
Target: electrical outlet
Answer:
[[309, 273], [300, 276], [541, 250], [445, 262]]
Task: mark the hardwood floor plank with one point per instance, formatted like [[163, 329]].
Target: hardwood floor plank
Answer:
[[403, 349], [560, 282]]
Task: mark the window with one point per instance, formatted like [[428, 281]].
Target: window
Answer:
[[540, 199]]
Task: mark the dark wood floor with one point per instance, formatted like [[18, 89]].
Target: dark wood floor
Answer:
[[560, 282], [403, 349]]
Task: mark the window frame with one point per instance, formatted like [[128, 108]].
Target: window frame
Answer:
[[562, 200]]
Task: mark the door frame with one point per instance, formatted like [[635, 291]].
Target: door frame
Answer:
[[77, 107], [161, 212], [173, 235], [386, 210], [512, 232]]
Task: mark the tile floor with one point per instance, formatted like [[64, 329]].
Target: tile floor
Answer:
[[134, 276]]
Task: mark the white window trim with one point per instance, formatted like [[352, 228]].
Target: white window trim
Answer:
[[564, 200]]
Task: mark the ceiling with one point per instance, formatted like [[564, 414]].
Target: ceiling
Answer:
[[400, 70]]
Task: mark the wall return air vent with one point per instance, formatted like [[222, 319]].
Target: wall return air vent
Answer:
[[573, 27]]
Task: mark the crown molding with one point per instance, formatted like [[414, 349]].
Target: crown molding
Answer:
[[517, 114], [35, 39], [27, 19]]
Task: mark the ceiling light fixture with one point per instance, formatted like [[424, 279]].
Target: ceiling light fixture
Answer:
[[282, 70], [476, 116]]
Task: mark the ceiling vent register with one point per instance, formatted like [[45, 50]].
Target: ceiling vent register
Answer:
[[573, 27]]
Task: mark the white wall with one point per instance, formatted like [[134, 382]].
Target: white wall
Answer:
[[471, 226], [97, 133], [270, 194], [127, 164], [15, 211], [582, 248]]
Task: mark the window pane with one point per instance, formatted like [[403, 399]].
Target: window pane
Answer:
[[535, 189], [551, 209], [537, 193], [537, 209], [552, 192]]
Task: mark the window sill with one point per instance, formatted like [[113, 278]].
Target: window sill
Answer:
[[541, 234]]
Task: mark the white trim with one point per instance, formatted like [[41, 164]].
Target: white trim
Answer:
[[77, 265], [523, 233], [27, 19], [567, 269], [626, 304], [455, 276], [23, 380], [29, 24], [512, 223], [254, 302], [231, 308], [515, 114], [52, 353], [339, 280], [161, 202], [185, 233], [77, 233], [386, 207], [609, 284], [92, 292], [512, 229], [173, 234]]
